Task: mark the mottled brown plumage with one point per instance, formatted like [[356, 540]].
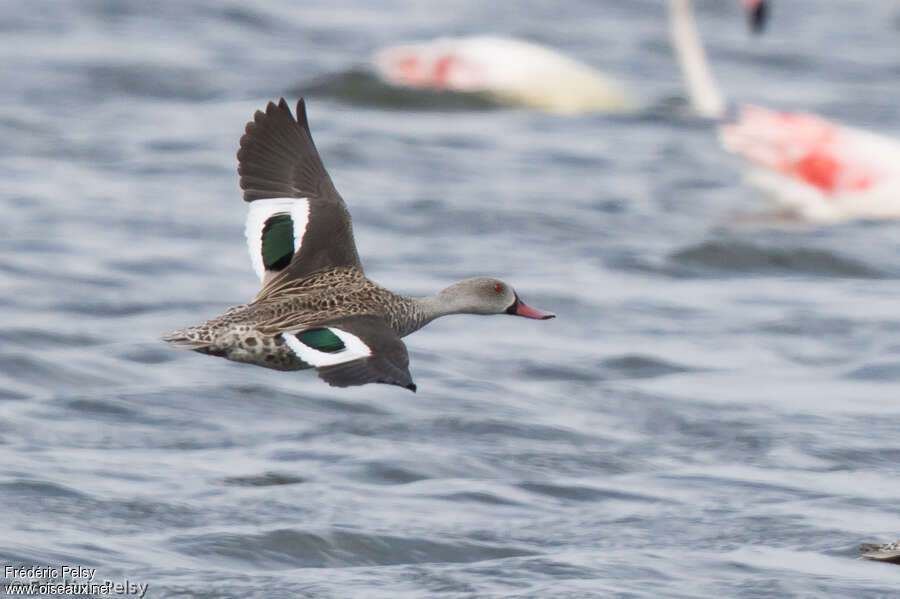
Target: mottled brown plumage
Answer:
[[885, 552], [252, 333]]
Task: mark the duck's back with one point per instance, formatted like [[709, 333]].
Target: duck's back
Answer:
[[252, 332]]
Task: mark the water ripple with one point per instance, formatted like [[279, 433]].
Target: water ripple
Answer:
[[289, 548]]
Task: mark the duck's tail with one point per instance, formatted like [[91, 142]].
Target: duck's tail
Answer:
[[187, 338]]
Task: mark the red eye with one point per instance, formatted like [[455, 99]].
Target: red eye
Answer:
[[498, 288]]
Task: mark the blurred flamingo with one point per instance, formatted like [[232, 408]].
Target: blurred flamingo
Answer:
[[817, 169], [519, 72], [510, 70]]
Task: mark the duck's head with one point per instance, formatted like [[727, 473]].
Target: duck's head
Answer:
[[483, 295], [757, 14]]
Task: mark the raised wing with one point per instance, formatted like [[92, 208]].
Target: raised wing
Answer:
[[353, 351], [298, 223]]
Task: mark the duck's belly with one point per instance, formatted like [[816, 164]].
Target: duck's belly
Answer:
[[244, 344]]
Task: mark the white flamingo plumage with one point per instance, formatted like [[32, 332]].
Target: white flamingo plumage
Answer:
[[819, 170], [512, 71]]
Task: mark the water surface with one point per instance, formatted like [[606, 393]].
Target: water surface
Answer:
[[713, 413]]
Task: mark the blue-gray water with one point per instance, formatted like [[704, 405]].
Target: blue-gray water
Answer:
[[713, 413]]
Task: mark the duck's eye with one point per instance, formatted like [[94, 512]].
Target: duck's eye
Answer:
[[498, 288]]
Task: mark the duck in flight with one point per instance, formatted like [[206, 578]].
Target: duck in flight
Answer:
[[316, 308]]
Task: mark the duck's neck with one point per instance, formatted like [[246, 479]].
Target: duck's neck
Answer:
[[455, 299], [444, 302], [706, 99]]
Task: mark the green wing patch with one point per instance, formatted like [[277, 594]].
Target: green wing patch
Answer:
[[278, 242], [321, 339]]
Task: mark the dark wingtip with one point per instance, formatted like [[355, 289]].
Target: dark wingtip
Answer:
[[301, 114], [412, 387], [277, 156], [759, 16], [271, 109]]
